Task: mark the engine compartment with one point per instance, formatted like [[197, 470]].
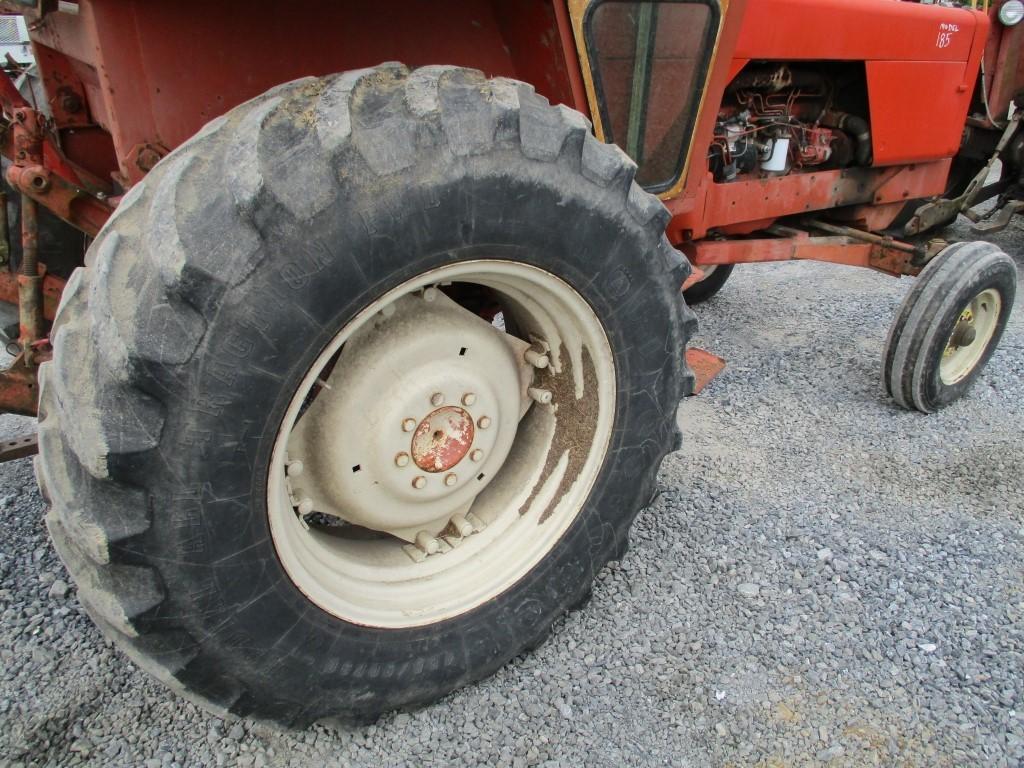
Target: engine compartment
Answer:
[[781, 118]]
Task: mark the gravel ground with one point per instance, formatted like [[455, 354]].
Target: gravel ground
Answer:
[[824, 579]]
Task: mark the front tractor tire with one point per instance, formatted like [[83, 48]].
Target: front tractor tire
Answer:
[[358, 390], [715, 277], [948, 325]]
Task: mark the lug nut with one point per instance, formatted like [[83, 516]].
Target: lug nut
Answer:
[[450, 479], [484, 422], [542, 396], [408, 425], [436, 399], [401, 459], [476, 455], [419, 482], [426, 543], [305, 507], [462, 525], [468, 399], [294, 468], [536, 359]]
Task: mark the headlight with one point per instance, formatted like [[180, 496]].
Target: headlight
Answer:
[[1012, 12]]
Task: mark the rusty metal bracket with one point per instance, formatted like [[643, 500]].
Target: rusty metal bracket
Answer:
[[19, 390], [999, 219], [19, 447], [40, 171], [889, 255], [944, 210], [705, 367], [894, 258], [77, 206], [696, 275], [146, 156]]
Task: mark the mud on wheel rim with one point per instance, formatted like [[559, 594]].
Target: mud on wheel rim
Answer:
[[405, 487]]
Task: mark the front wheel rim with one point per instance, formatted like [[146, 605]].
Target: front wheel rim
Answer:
[[970, 337], [474, 449], [708, 271]]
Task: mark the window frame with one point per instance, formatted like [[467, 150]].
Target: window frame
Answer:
[[700, 78]]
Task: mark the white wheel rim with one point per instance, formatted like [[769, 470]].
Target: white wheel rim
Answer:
[[971, 336], [472, 470]]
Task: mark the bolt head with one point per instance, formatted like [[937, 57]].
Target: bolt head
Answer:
[[426, 543], [536, 359], [71, 103], [476, 455], [305, 507], [450, 479], [401, 459], [436, 399], [419, 482], [541, 396], [408, 425], [295, 468], [462, 525], [468, 399], [430, 294], [146, 159], [484, 422]]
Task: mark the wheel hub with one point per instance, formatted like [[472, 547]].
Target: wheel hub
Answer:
[[359, 438], [963, 335], [442, 439], [970, 336], [415, 419]]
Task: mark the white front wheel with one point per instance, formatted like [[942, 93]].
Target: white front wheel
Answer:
[[949, 325]]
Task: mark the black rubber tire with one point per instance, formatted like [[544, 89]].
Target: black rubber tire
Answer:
[[928, 315], [709, 286], [212, 290]]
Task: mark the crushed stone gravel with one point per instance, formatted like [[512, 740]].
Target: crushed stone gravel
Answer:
[[822, 580]]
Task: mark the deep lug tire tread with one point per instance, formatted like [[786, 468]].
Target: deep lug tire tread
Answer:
[[118, 362]]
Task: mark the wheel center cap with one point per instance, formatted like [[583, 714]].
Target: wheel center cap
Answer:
[[442, 439], [964, 334]]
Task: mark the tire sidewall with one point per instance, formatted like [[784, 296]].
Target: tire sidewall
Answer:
[[213, 534], [936, 393]]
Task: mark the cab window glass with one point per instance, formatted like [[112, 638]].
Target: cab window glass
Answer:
[[649, 62]]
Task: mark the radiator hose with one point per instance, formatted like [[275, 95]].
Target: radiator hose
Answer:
[[858, 127]]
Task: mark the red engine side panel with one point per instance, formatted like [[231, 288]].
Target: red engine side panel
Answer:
[[856, 30], [921, 63], [918, 109]]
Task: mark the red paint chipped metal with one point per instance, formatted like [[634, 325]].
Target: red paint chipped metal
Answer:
[[442, 439], [705, 367]]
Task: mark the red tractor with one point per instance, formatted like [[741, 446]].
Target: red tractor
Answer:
[[355, 380]]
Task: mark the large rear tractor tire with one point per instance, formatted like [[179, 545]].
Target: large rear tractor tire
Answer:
[[949, 325], [359, 389]]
